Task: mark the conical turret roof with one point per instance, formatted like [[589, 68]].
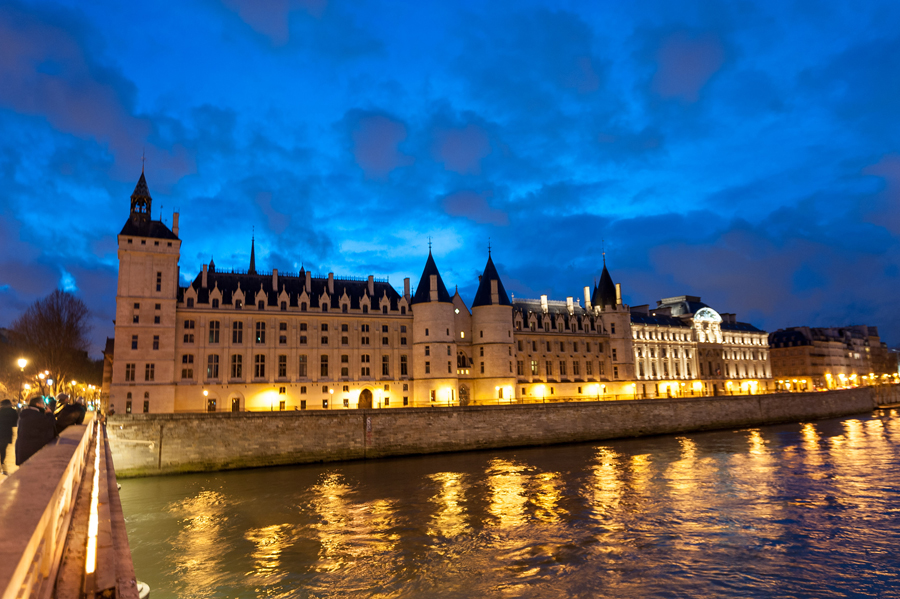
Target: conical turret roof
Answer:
[[423, 291], [605, 291], [483, 295], [252, 269]]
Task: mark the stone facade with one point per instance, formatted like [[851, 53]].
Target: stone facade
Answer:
[[830, 358], [684, 348], [148, 444]]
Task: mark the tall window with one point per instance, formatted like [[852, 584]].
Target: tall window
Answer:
[[155, 341], [187, 366], [260, 332], [302, 370], [364, 369], [149, 372], [534, 368], [323, 366], [282, 366], [404, 366], [385, 365], [129, 373], [259, 366], [159, 281], [237, 332], [237, 366], [213, 331], [212, 366], [562, 368], [134, 342]]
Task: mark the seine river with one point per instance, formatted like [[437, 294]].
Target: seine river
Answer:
[[801, 510]]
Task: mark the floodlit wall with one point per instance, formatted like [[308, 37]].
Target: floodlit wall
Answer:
[[149, 444]]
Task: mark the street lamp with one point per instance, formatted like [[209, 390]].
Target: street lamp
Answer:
[[22, 362]]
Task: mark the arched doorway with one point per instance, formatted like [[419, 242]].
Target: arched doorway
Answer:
[[365, 400]]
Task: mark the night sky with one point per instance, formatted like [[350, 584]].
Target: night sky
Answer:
[[746, 152]]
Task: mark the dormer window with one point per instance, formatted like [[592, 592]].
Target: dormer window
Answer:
[[215, 303], [261, 305], [190, 302]]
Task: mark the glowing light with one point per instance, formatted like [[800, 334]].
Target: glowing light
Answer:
[[205, 393], [94, 523], [22, 362]]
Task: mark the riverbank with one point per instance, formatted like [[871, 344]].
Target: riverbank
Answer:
[[156, 444]]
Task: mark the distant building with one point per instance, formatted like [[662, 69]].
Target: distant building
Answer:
[[684, 347], [829, 358], [245, 339]]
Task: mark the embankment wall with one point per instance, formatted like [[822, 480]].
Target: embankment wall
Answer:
[[153, 444]]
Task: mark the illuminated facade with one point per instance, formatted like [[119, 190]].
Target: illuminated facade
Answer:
[[683, 347], [829, 358], [239, 340]]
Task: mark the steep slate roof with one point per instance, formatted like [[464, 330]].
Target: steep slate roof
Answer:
[[151, 228], [423, 291], [740, 326], [663, 321], [294, 286], [483, 295], [605, 291]]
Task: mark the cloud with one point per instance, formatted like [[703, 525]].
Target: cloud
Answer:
[[685, 65], [375, 140], [473, 206], [462, 149]]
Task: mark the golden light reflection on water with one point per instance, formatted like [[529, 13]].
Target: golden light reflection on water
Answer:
[[197, 547], [349, 533], [813, 455], [606, 491], [450, 518], [268, 543], [547, 495], [681, 474], [507, 493]]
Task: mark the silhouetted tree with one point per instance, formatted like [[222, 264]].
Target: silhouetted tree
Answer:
[[53, 335]]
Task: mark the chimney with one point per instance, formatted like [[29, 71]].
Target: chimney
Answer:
[[570, 305], [587, 298], [274, 279], [330, 284], [618, 294], [433, 291], [495, 295], [406, 288], [544, 308], [203, 278], [175, 224], [371, 286], [308, 282]]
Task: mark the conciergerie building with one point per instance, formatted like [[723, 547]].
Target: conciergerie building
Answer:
[[251, 340]]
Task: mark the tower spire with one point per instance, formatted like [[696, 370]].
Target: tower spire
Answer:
[[252, 269]]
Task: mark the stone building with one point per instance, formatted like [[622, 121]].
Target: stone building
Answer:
[[247, 339], [829, 358], [684, 347]]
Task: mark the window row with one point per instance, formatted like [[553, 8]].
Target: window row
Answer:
[[259, 366]]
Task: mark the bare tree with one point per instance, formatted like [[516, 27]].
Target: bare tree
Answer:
[[53, 334]]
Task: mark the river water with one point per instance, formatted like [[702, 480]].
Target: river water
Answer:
[[800, 510]]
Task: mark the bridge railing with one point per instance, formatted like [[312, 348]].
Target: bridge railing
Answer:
[[36, 505]]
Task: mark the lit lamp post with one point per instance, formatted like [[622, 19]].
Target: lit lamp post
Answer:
[[22, 362], [331, 398]]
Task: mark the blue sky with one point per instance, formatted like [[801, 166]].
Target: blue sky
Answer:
[[746, 152]]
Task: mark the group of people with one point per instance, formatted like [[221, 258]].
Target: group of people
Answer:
[[39, 423]]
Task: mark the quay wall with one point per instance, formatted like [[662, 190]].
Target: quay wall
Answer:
[[154, 444]]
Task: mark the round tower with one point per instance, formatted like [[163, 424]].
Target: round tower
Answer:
[[492, 340], [434, 345]]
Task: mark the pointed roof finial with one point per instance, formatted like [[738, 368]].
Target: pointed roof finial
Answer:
[[489, 247], [143, 157], [603, 247], [252, 269], [429, 244]]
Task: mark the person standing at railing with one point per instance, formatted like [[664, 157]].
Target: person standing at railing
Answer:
[[8, 419], [36, 429], [68, 414]]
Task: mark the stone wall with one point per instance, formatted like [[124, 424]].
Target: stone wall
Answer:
[[150, 444]]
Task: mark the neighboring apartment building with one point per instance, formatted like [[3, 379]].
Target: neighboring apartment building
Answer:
[[683, 347], [829, 358], [241, 340]]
